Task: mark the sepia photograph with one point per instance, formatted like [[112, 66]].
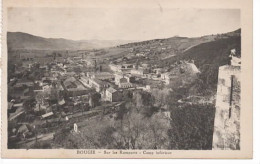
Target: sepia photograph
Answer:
[[102, 78]]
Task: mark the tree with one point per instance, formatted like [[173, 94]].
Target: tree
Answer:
[[94, 100], [142, 98], [29, 104], [127, 95], [132, 130], [159, 126], [129, 130], [136, 131], [192, 127], [161, 96]]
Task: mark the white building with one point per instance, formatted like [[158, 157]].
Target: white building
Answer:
[[126, 68], [139, 71], [125, 85], [98, 85], [112, 95]]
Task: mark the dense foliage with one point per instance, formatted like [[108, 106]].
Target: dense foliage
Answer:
[[192, 127]]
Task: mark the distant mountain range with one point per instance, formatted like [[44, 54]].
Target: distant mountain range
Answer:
[[20, 40]]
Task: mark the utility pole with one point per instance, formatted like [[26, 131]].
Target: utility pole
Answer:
[[36, 134]]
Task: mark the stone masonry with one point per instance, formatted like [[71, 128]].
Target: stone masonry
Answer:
[[226, 134]]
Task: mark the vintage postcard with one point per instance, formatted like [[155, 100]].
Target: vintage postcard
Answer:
[[127, 79]]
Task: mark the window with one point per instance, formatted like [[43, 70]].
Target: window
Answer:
[[231, 96]]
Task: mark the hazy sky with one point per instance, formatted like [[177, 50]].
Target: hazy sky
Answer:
[[121, 24]]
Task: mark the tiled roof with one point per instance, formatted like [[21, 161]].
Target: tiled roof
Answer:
[[111, 90]]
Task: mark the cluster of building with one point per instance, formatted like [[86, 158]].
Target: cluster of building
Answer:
[[44, 91], [64, 85], [187, 68]]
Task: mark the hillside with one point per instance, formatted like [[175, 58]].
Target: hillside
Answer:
[[210, 53], [208, 57], [181, 44], [19, 40], [175, 43], [162, 49]]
